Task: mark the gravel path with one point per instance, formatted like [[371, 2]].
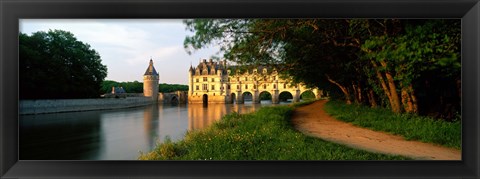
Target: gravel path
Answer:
[[312, 120]]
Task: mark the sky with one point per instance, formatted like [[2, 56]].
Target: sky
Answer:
[[126, 45]]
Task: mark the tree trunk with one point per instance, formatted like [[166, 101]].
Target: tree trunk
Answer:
[[358, 93], [414, 99], [344, 90], [371, 99], [388, 87], [407, 101]]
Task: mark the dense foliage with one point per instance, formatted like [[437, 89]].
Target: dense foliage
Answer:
[[263, 135], [55, 65], [137, 87], [406, 65]]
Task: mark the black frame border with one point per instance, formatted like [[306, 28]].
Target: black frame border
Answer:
[[11, 11]]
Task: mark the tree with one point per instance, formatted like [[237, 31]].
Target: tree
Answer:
[[399, 61], [376, 61], [55, 65]]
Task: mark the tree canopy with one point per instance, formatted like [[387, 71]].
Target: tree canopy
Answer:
[[137, 87], [403, 64], [55, 65]]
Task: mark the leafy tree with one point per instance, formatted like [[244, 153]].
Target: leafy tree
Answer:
[[399, 61], [55, 64], [375, 61]]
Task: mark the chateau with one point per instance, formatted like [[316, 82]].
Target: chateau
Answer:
[[216, 82]]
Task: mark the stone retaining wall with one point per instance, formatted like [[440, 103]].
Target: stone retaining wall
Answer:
[[70, 105]]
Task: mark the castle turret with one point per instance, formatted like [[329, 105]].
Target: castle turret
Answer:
[[190, 80], [150, 82]]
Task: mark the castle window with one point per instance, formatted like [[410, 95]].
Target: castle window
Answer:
[[284, 85], [198, 80], [228, 86], [228, 79], [274, 86], [213, 79], [238, 79], [238, 86], [274, 77], [197, 88], [264, 86], [254, 78], [204, 78], [246, 86], [246, 79], [254, 86], [213, 87], [204, 87]]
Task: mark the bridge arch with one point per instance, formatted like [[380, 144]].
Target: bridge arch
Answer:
[[265, 97], [307, 94], [286, 96], [174, 100], [205, 98], [247, 96], [233, 98]]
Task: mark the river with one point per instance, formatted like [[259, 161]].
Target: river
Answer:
[[115, 134]]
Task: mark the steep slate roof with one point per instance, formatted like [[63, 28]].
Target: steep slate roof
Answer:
[[151, 70]]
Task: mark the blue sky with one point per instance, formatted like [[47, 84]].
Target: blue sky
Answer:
[[126, 46]]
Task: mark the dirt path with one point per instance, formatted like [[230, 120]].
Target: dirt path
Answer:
[[313, 121]]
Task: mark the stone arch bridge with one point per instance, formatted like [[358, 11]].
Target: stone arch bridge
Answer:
[[217, 82], [240, 95], [177, 97]]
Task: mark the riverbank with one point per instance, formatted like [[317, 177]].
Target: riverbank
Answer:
[[263, 135], [314, 121], [74, 105]]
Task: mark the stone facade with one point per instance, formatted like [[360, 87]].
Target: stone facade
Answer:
[[150, 82], [216, 82]]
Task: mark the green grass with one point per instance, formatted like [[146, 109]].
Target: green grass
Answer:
[[263, 135], [412, 127]]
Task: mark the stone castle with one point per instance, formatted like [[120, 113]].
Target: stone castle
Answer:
[[150, 82], [216, 82], [150, 88]]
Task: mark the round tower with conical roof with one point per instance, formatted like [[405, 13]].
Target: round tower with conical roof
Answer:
[[150, 82]]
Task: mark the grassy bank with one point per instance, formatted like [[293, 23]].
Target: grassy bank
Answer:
[[263, 135], [412, 127]]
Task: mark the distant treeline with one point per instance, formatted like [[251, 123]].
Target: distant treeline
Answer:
[[137, 87]]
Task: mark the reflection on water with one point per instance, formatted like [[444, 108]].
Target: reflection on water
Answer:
[[115, 134]]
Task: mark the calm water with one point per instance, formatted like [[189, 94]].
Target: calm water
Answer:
[[115, 134]]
